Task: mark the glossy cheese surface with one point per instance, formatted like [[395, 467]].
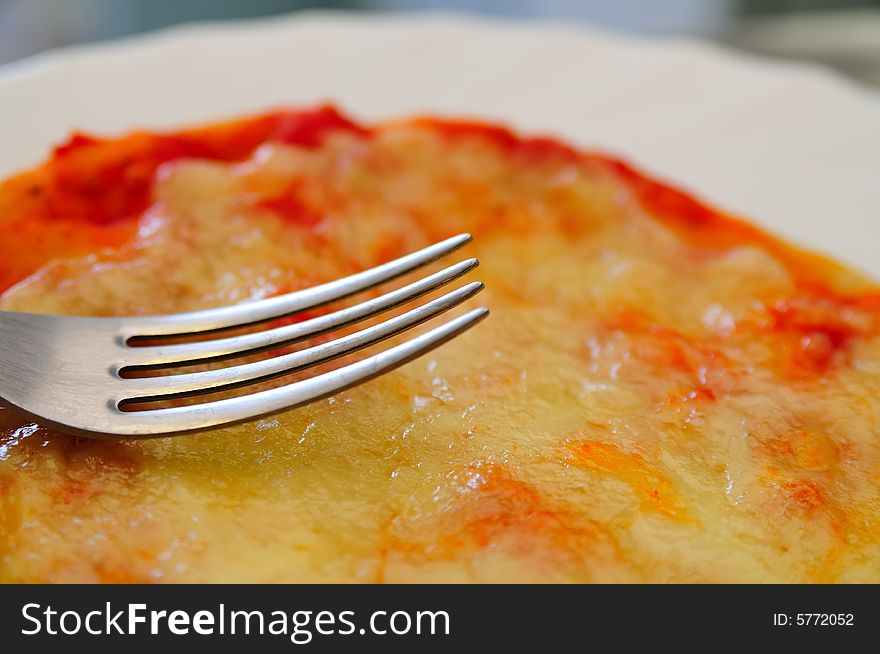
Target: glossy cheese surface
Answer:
[[661, 394]]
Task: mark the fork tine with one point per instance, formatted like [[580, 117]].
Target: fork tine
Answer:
[[236, 409], [177, 354], [153, 388], [275, 307]]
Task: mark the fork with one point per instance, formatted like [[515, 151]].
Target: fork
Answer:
[[75, 372]]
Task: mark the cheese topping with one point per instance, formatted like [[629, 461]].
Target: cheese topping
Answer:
[[662, 393]]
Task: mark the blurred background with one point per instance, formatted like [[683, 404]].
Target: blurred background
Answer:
[[843, 34]]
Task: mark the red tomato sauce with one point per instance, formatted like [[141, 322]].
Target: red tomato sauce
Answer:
[[91, 191]]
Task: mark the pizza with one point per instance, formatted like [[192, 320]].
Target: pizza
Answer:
[[663, 393]]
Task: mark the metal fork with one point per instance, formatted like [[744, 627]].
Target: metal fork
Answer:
[[70, 371]]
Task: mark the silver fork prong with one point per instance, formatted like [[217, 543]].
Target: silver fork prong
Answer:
[[68, 371], [153, 388], [211, 414], [283, 305], [181, 353]]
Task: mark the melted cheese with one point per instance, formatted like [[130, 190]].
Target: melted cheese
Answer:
[[661, 394]]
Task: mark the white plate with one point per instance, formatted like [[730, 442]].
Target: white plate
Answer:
[[791, 147]]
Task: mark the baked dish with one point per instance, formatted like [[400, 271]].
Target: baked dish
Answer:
[[662, 394]]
